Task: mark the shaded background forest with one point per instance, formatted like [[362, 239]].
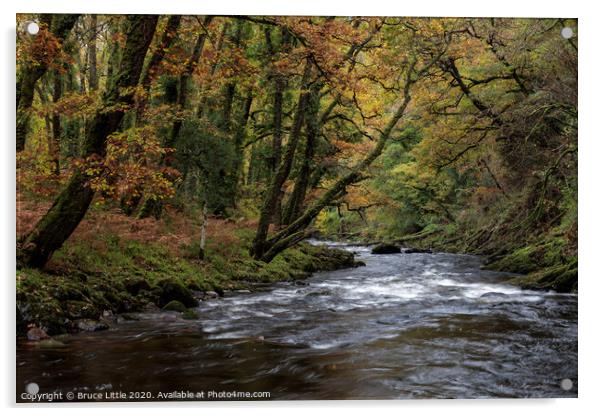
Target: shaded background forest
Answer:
[[454, 134]]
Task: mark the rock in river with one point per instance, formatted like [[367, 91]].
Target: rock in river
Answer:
[[386, 248], [90, 325], [418, 250], [36, 334]]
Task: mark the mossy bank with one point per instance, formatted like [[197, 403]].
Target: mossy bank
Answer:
[[86, 285], [545, 262]]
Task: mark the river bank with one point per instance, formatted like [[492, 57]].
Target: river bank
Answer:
[[544, 263], [88, 286]]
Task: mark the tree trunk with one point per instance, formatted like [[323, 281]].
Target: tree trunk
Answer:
[[238, 148], [129, 203], [59, 26], [92, 73], [311, 126], [47, 117], [173, 23], [280, 85], [49, 234], [275, 189], [152, 206], [54, 148], [203, 232], [279, 88], [295, 232]]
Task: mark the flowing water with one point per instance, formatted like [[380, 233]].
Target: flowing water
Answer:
[[403, 326]]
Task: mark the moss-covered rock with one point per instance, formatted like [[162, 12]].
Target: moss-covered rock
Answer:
[[190, 314], [175, 306], [386, 248], [135, 285], [49, 344], [36, 304], [560, 278], [172, 290], [76, 309]]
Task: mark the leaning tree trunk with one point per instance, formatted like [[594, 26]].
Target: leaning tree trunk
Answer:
[[59, 26], [36, 248], [173, 23], [295, 232]]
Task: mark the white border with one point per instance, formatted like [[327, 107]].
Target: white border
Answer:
[[590, 158]]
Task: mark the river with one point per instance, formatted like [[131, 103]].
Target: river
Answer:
[[404, 326]]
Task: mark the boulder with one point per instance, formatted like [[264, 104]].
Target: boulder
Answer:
[[90, 325], [150, 307], [210, 295], [50, 344], [190, 314], [386, 248], [175, 305], [36, 334], [134, 286], [172, 290], [324, 292], [418, 250], [76, 309]]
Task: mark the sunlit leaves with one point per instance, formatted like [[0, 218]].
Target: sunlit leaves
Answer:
[[131, 167]]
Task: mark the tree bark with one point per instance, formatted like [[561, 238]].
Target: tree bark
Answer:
[[279, 88], [49, 234], [54, 148], [59, 26], [238, 148], [47, 117], [173, 23], [203, 231], [297, 197], [275, 189], [92, 67]]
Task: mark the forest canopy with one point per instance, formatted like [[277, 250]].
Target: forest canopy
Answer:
[[457, 132]]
